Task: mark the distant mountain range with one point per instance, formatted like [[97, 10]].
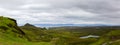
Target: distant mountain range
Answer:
[[60, 25]]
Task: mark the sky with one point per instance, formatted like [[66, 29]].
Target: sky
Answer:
[[62, 11]]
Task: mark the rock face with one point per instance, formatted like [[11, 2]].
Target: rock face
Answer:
[[9, 27]]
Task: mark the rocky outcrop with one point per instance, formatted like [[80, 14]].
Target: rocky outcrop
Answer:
[[9, 26]]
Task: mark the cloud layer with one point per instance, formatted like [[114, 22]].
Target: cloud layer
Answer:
[[62, 11]]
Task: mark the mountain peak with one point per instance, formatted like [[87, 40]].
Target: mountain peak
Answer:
[[28, 24]]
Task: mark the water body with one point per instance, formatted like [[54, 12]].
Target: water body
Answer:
[[90, 36]]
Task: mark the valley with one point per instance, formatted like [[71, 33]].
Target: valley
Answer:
[[28, 34]]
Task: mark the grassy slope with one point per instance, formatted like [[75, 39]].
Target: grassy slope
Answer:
[[10, 34], [56, 37], [98, 30], [111, 38]]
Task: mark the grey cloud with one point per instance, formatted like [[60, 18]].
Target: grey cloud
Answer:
[[61, 11]]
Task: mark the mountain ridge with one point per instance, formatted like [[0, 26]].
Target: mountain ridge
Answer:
[[59, 25]]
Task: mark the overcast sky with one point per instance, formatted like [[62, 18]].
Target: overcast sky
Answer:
[[62, 11]]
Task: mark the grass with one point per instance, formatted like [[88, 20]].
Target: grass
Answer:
[[18, 42], [11, 34]]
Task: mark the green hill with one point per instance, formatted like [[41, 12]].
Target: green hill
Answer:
[[8, 27], [11, 34], [9, 31], [33, 33], [111, 38]]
